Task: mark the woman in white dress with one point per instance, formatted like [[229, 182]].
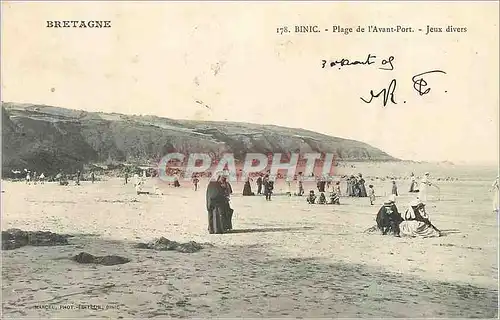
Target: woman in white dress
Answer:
[[300, 186], [416, 222], [42, 178], [422, 193], [494, 189]]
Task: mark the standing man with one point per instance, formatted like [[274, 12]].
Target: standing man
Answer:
[[259, 184], [92, 176], [195, 182], [268, 187], [126, 177], [78, 174], [394, 188]]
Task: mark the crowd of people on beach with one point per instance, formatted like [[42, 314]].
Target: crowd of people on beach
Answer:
[[414, 221]]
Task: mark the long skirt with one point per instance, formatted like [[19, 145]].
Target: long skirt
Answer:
[[247, 189], [422, 194], [413, 187], [362, 189], [395, 190], [417, 229]]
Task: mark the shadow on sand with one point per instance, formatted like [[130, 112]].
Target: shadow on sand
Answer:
[[269, 230], [445, 232]]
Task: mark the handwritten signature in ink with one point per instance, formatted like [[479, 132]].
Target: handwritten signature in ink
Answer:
[[419, 82], [386, 63], [388, 94]]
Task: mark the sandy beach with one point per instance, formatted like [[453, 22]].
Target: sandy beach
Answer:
[[285, 258]]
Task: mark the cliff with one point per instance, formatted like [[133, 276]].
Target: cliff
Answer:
[[45, 138]]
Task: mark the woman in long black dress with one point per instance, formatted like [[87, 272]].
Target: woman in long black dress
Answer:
[[355, 186], [247, 188], [362, 188], [349, 191]]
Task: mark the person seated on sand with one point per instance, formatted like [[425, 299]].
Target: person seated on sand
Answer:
[[63, 180], [311, 198], [217, 196], [138, 187], [322, 198], [158, 192], [388, 217], [334, 198], [416, 222]]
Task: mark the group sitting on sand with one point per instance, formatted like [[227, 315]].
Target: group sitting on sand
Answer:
[[313, 199], [414, 222]]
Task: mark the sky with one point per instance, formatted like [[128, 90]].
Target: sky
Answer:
[[226, 61]]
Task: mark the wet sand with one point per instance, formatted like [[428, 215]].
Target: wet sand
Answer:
[[285, 258]]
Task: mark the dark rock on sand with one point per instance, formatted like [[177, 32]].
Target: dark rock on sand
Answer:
[[163, 244], [112, 260], [372, 230], [16, 238]]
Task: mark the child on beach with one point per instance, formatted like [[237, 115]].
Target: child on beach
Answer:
[[195, 183], [371, 194], [311, 199], [394, 188]]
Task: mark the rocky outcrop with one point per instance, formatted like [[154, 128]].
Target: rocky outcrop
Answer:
[[111, 260], [164, 244], [16, 238]]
